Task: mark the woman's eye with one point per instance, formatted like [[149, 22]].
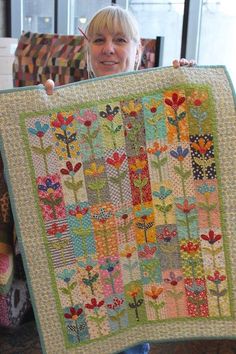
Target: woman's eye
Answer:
[[98, 40], [121, 40]]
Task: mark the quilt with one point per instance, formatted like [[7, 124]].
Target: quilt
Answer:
[[123, 194]]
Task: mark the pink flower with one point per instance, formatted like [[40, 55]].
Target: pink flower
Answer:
[[147, 252], [87, 118]]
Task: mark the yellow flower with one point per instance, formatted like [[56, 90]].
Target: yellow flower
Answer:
[[155, 292], [132, 109], [94, 170], [133, 292], [138, 166], [128, 251], [153, 105]]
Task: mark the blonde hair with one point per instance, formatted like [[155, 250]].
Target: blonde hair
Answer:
[[116, 20]]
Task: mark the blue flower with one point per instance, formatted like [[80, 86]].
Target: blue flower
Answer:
[[109, 266], [66, 275], [48, 185], [180, 153], [39, 130], [144, 212], [205, 188], [163, 193]]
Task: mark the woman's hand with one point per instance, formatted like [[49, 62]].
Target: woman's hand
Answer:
[[183, 62], [49, 87]]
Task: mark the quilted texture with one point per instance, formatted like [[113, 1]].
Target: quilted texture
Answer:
[[122, 192]]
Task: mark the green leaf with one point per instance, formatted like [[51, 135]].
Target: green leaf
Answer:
[[172, 121], [94, 277], [73, 285], [115, 179], [58, 201], [181, 222], [47, 201], [214, 292], [71, 138], [193, 300], [178, 170], [192, 218], [203, 206], [95, 133], [222, 292], [48, 149], [37, 150], [199, 161], [163, 161], [118, 128], [209, 162], [168, 208], [155, 164], [186, 174], [97, 185], [75, 186], [108, 128], [181, 116], [65, 291], [86, 281]]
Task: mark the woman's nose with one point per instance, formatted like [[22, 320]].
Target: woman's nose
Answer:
[[108, 47]]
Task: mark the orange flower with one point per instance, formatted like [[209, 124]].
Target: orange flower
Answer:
[[202, 146], [133, 292], [155, 292], [157, 149], [128, 251], [132, 109], [138, 166]]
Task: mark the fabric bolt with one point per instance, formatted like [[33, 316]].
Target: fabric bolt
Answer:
[[124, 203]]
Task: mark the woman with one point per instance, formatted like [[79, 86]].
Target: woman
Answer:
[[113, 46]]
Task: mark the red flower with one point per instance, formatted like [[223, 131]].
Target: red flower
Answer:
[[190, 248], [94, 304], [147, 252], [175, 102], [117, 160], [211, 237], [78, 212], [70, 169], [57, 229], [217, 278], [186, 207], [197, 102], [62, 122], [74, 314]]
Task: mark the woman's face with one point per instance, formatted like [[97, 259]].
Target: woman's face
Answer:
[[111, 53]]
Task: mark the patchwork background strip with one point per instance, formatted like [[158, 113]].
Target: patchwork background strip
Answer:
[[123, 193]]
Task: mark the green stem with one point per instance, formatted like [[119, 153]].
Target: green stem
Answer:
[[112, 283], [53, 207], [74, 192], [182, 179], [90, 142], [208, 212], [67, 145], [44, 156], [120, 187], [164, 212], [136, 308], [112, 135], [91, 284], [130, 270], [159, 169], [187, 224], [218, 299]]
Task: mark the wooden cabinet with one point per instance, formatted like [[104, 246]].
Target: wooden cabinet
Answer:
[[7, 51]]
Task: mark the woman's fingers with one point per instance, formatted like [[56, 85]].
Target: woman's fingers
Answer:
[[49, 87], [183, 62]]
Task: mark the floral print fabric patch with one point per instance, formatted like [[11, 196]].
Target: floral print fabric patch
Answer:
[[129, 197]]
